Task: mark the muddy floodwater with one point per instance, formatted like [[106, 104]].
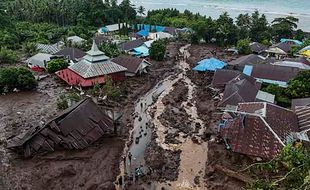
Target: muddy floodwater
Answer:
[[148, 110]]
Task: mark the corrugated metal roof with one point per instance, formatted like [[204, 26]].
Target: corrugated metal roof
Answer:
[[89, 70], [265, 96], [48, 48]]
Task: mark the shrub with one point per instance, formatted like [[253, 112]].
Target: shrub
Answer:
[[56, 65], [66, 100], [158, 50], [7, 55], [19, 78], [111, 50], [243, 46], [112, 92], [299, 87]]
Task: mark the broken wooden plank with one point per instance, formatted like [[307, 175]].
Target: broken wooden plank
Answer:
[[234, 174]]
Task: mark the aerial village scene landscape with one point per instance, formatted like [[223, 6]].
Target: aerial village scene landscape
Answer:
[[113, 95]]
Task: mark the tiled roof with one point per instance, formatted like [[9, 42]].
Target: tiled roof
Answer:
[[48, 48], [259, 129], [302, 110]]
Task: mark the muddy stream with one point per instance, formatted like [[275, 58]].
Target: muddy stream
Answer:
[[144, 123]]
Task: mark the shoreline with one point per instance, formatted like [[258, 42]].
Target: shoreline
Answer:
[[214, 10]]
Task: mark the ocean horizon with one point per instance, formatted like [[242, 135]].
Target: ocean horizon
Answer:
[[213, 8]]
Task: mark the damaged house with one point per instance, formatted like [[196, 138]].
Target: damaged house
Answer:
[[238, 87], [76, 128], [258, 129]]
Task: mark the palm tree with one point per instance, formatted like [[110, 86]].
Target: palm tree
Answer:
[[141, 10]]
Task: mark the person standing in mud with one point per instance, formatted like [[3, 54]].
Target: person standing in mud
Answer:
[[129, 157]]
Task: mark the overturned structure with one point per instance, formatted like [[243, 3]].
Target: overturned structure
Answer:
[[75, 128]]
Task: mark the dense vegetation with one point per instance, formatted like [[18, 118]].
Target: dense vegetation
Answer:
[[16, 78], [158, 50], [224, 31], [299, 87], [289, 170], [56, 65]]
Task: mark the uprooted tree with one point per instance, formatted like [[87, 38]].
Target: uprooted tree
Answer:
[[289, 170]]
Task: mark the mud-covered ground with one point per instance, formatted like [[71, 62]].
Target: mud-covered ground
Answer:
[[97, 166], [206, 102]]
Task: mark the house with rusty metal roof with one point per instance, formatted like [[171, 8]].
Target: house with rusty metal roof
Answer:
[[251, 59], [72, 54], [130, 45], [243, 89], [258, 129], [222, 77], [257, 48], [134, 65], [92, 69], [271, 74], [301, 107], [75, 128]]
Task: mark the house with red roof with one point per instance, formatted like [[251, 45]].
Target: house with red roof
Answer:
[[91, 69], [258, 129]]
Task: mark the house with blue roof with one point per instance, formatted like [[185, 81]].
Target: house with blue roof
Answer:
[[209, 65]]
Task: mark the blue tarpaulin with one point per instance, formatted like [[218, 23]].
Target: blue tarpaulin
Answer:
[[248, 70], [141, 51], [154, 27], [143, 33], [104, 30], [297, 42], [209, 65]]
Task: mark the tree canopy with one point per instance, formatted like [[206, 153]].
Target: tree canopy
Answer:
[[158, 50], [20, 78], [299, 87]]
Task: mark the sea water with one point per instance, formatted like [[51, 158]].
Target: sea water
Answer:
[[271, 8]]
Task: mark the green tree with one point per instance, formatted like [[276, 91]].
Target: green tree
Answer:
[[30, 49], [110, 90], [259, 29], [19, 78], [280, 94], [226, 30], [141, 10], [158, 50], [56, 65], [7, 55], [284, 27], [111, 50], [299, 87], [244, 23], [243, 46]]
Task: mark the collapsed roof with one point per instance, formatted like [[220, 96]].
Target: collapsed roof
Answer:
[[76, 128]]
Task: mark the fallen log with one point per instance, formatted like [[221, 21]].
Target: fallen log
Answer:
[[234, 174]]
